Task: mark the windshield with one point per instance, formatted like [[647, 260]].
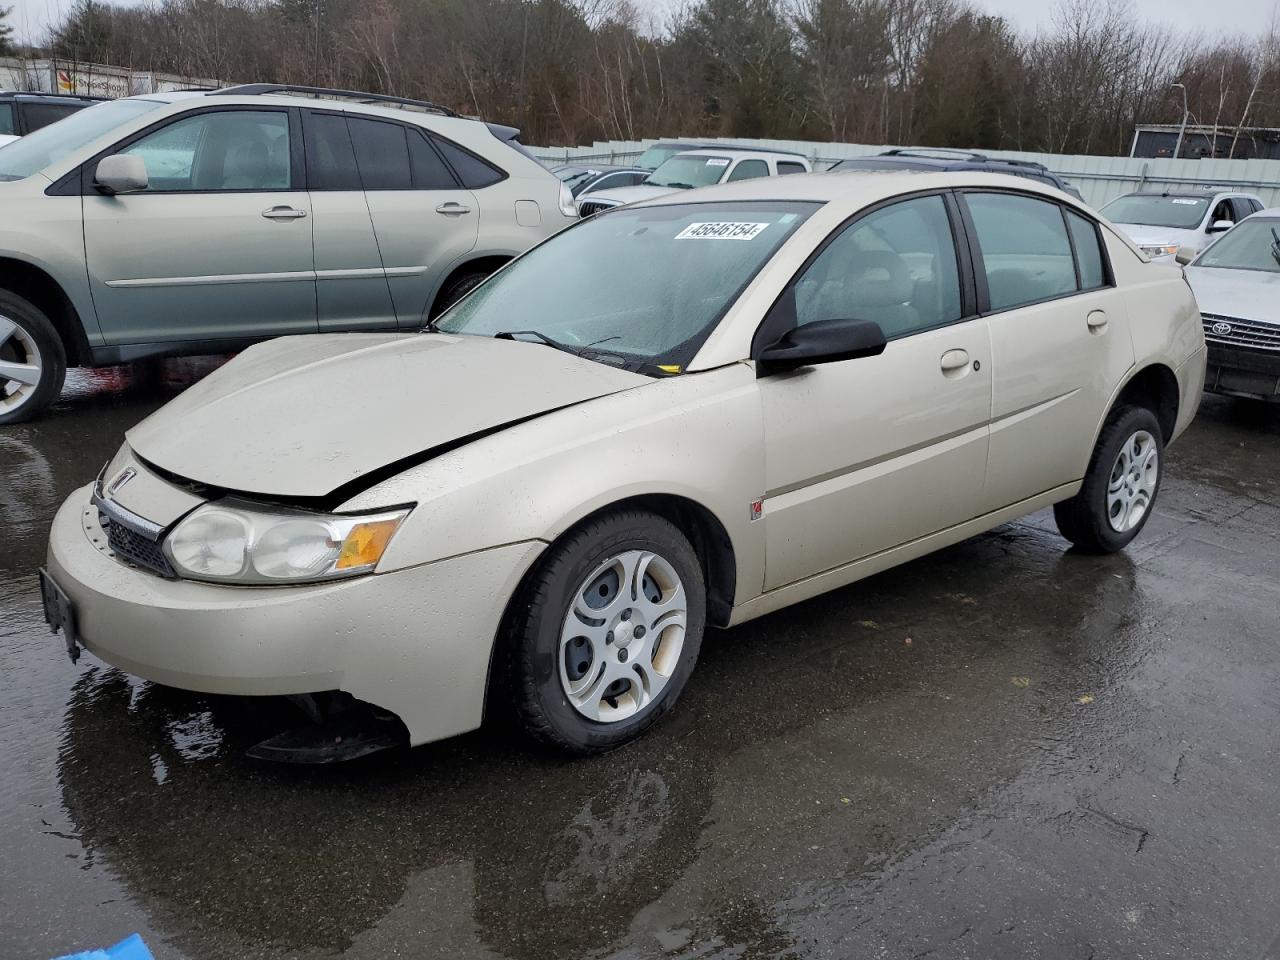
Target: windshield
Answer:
[[49, 144], [1179, 213], [659, 153], [640, 288], [688, 170], [1253, 245]]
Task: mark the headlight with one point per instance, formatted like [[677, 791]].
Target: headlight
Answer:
[[567, 206], [1157, 250], [233, 542]]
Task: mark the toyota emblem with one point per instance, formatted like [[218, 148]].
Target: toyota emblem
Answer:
[[1221, 329]]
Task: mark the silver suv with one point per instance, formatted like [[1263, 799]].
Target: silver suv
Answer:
[[200, 222]]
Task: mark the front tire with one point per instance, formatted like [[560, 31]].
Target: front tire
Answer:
[[1120, 487], [605, 631], [33, 362]]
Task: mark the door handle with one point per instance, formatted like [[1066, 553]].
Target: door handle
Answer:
[[1097, 321], [283, 213], [954, 361], [452, 209]]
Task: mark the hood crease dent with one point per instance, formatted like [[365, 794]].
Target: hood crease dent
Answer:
[[314, 420]]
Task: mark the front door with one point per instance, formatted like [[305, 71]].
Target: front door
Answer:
[[867, 454], [1059, 338], [218, 245]]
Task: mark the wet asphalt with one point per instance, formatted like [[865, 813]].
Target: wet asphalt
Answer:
[[1005, 750]]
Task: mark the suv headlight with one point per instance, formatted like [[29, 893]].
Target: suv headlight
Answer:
[[567, 206], [234, 542], [1156, 250]]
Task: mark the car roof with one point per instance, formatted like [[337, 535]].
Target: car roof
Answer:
[[856, 192], [742, 153]]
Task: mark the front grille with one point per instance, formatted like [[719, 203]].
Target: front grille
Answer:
[[135, 548], [1232, 332], [589, 208]]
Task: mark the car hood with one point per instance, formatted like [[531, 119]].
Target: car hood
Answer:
[[620, 195], [1244, 294], [301, 417], [1153, 236]]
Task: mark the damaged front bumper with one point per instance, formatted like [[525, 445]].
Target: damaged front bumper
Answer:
[[414, 642]]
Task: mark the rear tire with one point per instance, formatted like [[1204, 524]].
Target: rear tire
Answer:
[[588, 682], [32, 356], [457, 288], [1120, 488]]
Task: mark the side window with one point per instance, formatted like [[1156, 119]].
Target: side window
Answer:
[[1243, 207], [429, 171], [789, 166], [223, 150], [471, 170], [748, 170], [896, 266], [1084, 234], [1221, 211], [1025, 249], [39, 115], [6, 119], [382, 154]]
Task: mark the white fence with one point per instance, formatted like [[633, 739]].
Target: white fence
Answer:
[[93, 79], [1099, 179]]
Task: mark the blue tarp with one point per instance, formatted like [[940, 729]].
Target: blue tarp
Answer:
[[130, 948]]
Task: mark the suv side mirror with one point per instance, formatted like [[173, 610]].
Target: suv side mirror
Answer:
[[121, 173], [1220, 226], [825, 341]]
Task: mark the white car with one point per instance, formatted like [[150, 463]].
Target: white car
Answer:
[[1164, 224], [6, 138], [730, 400], [1237, 284], [698, 168]]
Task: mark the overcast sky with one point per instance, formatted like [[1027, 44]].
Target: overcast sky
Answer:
[[30, 17]]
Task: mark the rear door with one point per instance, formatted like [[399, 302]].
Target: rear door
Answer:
[[218, 246], [351, 284], [424, 221], [1059, 339]]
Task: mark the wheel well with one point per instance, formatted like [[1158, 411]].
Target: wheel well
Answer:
[[1156, 388], [486, 264], [33, 284]]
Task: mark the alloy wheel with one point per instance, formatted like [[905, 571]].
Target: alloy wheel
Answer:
[[622, 637], [21, 365], [1132, 486]]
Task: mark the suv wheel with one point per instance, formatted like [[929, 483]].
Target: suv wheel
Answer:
[[457, 288], [1120, 488], [33, 363], [605, 632]]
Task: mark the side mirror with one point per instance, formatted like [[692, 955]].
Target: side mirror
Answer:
[[121, 173], [1220, 226], [1185, 255], [825, 341]]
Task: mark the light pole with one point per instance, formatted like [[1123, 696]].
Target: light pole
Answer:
[[1182, 130]]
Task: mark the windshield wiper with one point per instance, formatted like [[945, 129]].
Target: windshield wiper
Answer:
[[539, 337]]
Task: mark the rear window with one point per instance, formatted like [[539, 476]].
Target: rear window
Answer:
[[1025, 249], [474, 173], [39, 115], [382, 154]]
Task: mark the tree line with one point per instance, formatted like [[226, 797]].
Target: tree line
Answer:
[[933, 72]]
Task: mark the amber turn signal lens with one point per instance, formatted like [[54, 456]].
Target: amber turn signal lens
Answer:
[[366, 543]]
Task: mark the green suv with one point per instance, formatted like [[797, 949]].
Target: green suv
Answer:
[[200, 222]]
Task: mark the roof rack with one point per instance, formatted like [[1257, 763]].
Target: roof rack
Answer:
[[42, 93], [934, 152], [321, 93], [1034, 165], [748, 148]]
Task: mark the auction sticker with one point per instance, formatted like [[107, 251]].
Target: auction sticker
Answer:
[[721, 230]]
